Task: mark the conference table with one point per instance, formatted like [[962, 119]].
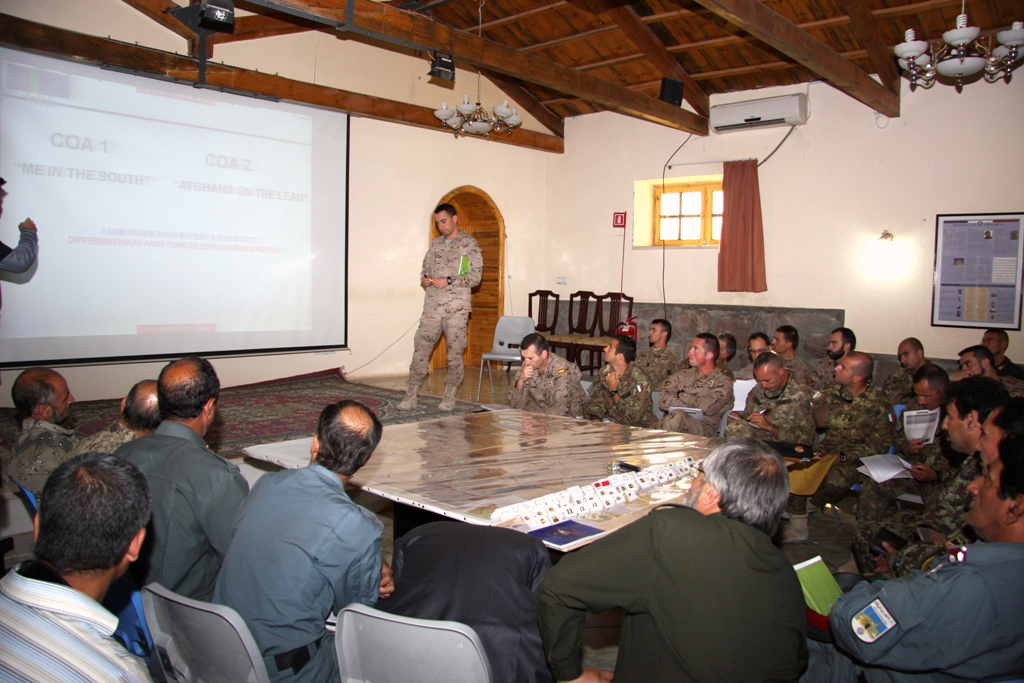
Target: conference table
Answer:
[[465, 467]]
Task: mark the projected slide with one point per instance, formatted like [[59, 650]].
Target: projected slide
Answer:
[[171, 219]]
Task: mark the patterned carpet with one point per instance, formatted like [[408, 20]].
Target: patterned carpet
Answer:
[[252, 414]]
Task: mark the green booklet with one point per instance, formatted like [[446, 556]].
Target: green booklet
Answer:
[[820, 588]]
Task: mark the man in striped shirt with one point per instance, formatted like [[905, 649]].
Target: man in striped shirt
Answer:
[[90, 527]]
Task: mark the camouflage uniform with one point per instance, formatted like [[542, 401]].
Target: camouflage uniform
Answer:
[[790, 411], [945, 516], [657, 364], [723, 365], [855, 427], [874, 497], [798, 369], [634, 406], [40, 448], [1013, 385], [446, 309], [745, 373], [824, 374], [106, 441], [712, 393], [556, 391], [899, 387]]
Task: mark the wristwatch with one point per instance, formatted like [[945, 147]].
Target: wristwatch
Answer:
[[449, 280]]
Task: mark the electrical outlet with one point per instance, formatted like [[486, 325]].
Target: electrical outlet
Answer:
[[561, 280]]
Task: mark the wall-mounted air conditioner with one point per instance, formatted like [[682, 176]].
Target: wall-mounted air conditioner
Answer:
[[787, 110]]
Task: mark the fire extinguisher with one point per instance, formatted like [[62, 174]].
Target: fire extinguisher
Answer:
[[628, 328]]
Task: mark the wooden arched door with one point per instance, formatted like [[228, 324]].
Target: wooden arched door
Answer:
[[478, 217]]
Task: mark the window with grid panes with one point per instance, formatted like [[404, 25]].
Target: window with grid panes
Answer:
[[688, 214]]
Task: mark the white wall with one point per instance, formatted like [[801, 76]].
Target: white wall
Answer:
[[397, 176], [826, 196]]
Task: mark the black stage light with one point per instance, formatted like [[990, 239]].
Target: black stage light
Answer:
[[442, 66], [217, 15]]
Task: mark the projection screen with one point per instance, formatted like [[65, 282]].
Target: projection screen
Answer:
[[172, 219]]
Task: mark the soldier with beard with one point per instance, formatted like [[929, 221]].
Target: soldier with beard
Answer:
[[43, 399], [841, 342]]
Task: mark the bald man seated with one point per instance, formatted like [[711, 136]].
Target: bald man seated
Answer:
[[196, 493], [302, 549], [43, 400], [140, 416]]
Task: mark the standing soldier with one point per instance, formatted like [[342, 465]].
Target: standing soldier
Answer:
[[452, 267], [658, 361], [622, 391], [779, 409], [857, 423], [547, 383]]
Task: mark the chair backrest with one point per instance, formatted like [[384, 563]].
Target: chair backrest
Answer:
[[656, 404], [741, 389], [376, 646], [547, 316], [197, 641], [610, 312], [509, 332], [580, 319]]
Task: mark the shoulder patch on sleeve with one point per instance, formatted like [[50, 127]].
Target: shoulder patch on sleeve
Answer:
[[872, 622]]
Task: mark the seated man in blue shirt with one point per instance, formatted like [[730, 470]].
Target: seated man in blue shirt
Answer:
[[302, 549], [959, 621]]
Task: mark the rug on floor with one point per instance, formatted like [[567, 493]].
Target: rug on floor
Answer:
[[251, 414]]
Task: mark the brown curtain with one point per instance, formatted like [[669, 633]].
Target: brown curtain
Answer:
[[741, 249]]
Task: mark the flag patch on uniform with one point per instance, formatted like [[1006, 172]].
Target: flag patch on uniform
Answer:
[[872, 622]]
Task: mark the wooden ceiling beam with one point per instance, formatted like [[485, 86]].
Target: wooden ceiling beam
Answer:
[[408, 29], [870, 38], [643, 37], [780, 33], [258, 26], [526, 99], [157, 10], [28, 35]]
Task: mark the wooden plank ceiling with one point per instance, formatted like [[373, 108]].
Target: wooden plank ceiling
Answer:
[[560, 58]]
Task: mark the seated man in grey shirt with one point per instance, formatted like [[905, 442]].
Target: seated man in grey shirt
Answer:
[[302, 549]]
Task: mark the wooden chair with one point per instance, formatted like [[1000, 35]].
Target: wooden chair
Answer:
[[547, 317], [609, 316], [581, 323]]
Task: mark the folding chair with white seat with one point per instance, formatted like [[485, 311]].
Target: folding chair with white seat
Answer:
[[656, 405], [199, 642], [509, 331], [386, 648]]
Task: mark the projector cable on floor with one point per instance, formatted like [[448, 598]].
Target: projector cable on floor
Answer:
[[349, 372]]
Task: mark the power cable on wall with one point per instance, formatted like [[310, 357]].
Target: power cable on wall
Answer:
[[664, 295], [349, 372]]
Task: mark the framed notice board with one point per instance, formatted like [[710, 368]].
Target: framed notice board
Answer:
[[977, 279]]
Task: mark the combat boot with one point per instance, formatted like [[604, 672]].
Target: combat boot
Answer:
[[448, 402], [795, 530], [409, 402]]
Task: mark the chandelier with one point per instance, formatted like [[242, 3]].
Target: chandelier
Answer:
[[961, 54], [474, 119]]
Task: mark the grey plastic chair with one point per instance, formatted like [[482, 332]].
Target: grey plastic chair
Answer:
[[386, 648], [509, 331], [199, 642]]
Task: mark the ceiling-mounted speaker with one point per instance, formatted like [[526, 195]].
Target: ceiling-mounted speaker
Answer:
[[671, 91]]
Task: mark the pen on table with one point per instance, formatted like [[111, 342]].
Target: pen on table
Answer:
[[629, 468]]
